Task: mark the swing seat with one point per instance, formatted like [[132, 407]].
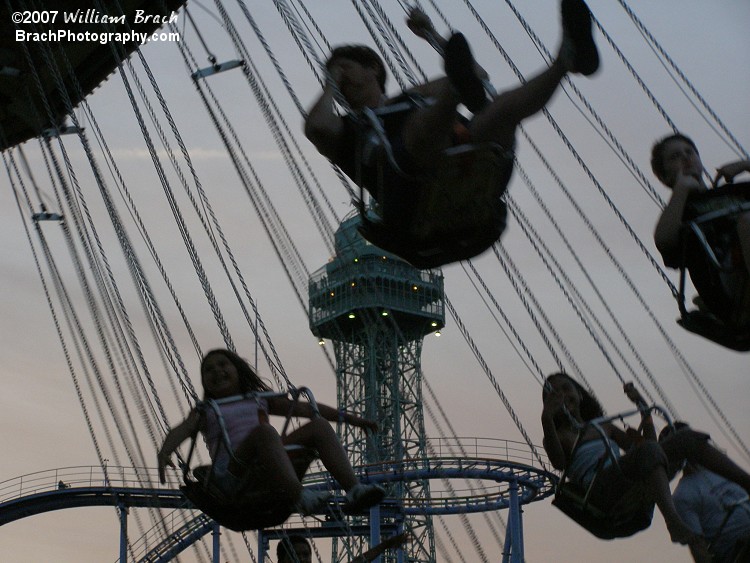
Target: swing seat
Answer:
[[253, 510], [459, 213], [713, 258], [741, 552], [626, 518], [618, 511], [252, 507], [706, 325]]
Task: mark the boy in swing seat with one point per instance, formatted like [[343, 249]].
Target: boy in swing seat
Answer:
[[419, 139], [677, 164], [715, 507]]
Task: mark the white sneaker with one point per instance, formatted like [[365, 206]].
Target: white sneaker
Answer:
[[361, 497], [311, 502]]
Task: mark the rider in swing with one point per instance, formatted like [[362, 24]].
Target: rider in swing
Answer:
[[419, 140], [677, 164]]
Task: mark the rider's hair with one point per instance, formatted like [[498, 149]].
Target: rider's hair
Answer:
[[249, 380], [657, 152], [363, 55]]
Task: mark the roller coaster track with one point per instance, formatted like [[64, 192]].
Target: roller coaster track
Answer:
[[501, 472], [70, 487]]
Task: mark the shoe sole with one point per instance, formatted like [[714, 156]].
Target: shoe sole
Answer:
[[370, 498], [577, 25], [459, 67]]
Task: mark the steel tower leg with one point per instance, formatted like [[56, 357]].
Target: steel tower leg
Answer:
[[514, 533], [123, 533], [507, 546], [262, 546], [216, 533], [375, 528]]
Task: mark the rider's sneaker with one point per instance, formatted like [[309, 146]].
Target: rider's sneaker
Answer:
[[460, 69], [361, 497], [579, 50], [311, 502]]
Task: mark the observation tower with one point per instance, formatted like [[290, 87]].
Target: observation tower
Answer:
[[376, 309]]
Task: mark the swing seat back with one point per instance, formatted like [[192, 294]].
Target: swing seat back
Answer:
[[628, 516], [251, 510], [741, 551], [708, 326], [459, 213], [713, 259]]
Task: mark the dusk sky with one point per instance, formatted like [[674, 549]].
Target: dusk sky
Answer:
[[703, 383]]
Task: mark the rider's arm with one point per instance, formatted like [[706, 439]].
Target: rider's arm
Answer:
[[422, 27], [429, 89], [619, 436], [280, 406], [669, 226], [689, 507], [648, 430], [174, 438], [551, 442], [732, 169], [323, 126]]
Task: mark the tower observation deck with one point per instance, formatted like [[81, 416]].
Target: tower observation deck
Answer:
[[363, 282]]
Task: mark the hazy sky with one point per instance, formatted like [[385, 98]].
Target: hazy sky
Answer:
[[708, 40]]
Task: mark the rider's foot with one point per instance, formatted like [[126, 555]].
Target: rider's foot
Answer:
[[461, 71], [681, 534], [361, 497], [311, 502], [578, 48]]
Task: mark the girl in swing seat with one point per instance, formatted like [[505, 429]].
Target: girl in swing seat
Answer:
[[258, 448], [567, 408], [647, 463]]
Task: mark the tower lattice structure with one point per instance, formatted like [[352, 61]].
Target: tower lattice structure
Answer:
[[376, 310]]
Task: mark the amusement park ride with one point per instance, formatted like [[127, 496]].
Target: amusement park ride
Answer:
[[374, 306]]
